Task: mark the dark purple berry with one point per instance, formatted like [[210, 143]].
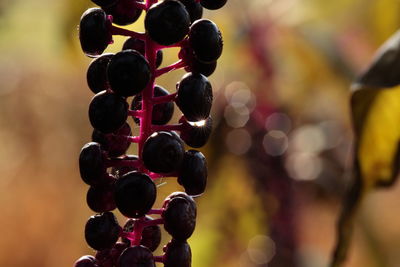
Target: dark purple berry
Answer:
[[97, 73], [163, 152], [135, 194], [139, 45], [102, 231], [151, 235], [121, 170], [137, 256], [180, 218], [100, 198], [109, 257], [162, 113], [86, 261], [193, 174], [177, 194], [117, 143], [206, 41], [128, 73], [108, 112], [213, 4], [167, 22], [194, 9], [194, 97], [177, 254], [94, 31], [92, 164], [194, 65], [124, 12], [196, 134]]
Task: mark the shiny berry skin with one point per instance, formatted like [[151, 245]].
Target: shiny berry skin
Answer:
[[97, 73], [128, 73], [94, 31], [135, 194], [86, 261], [100, 198], [193, 174], [205, 40], [180, 218], [167, 22], [196, 134], [213, 4], [163, 152], [105, 3], [137, 256], [123, 12], [115, 144], [178, 194], [102, 231], [92, 164], [162, 113], [194, 96], [108, 112], [139, 45], [194, 9], [109, 257], [151, 235], [177, 254]]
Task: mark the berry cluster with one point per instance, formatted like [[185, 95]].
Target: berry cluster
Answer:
[[126, 182]]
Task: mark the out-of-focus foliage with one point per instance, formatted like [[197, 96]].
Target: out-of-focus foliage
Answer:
[[279, 158]]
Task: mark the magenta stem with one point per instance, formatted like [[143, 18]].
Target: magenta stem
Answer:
[[159, 258], [155, 211], [177, 65], [124, 32], [135, 113], [137, 232], [133, 139], [164, 99], [178, 44], [170, 127]]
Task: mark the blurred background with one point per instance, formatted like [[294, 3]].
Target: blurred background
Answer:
[[279, 157]]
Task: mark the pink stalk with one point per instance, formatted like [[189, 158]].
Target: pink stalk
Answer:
[[124, 32], [155, 211], [164, 99], [177, 65]]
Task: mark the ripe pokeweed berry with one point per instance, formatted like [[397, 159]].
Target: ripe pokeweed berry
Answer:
[[86, 261], [162, 113], [194, 9], [180, 218], [177, 254], [193, 174], [102, 231], [124, 12], [206, 40], [108, 112], [94, 31], [194, 96], [194, 65], [139, 45], [213, 4], [92, 164], [128, 73], [151, 235], [97, 73], [167, 22], [119, 171], [135, 194], [137, 256], [116, 143], [100, 198], [109, 257], [163, 152], [196, 134]]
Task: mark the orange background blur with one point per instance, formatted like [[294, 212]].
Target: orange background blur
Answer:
[[279, 158]]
